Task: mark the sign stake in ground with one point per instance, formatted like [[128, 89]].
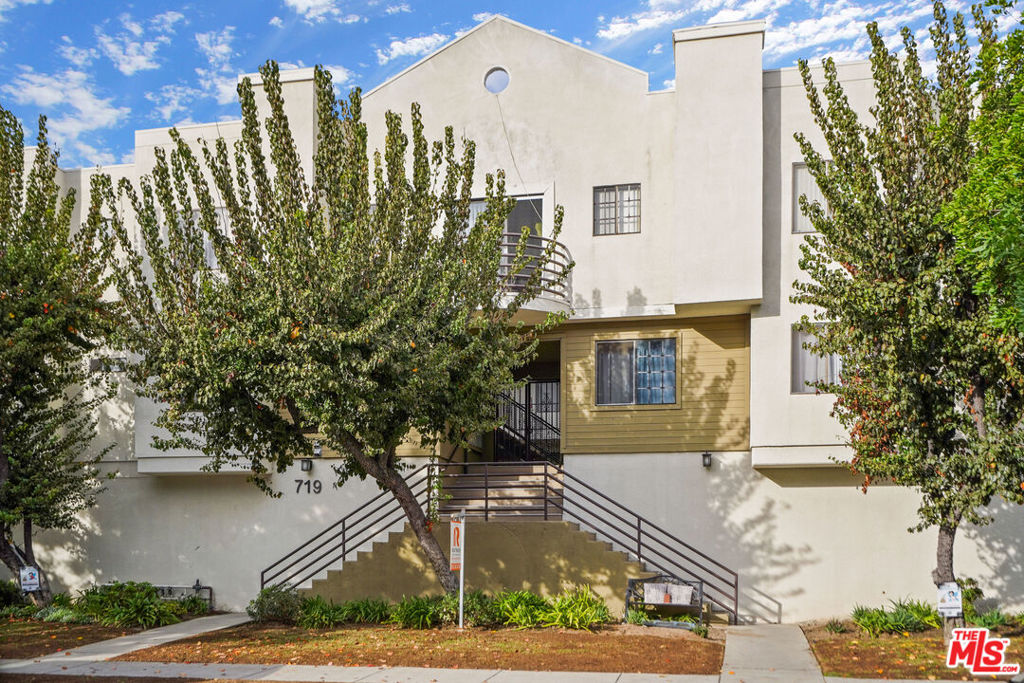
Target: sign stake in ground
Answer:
[[457, 554]]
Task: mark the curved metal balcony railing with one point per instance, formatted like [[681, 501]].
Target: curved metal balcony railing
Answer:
[[557, 294]]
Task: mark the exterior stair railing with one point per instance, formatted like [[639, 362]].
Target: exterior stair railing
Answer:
[[542, 493]]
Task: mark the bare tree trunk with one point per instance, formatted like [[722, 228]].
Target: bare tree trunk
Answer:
[[944, 572], [398, 486], [44, 595]]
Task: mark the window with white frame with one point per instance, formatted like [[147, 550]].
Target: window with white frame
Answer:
[[617, 209], [804, 184], [636, 372], [808, 367]]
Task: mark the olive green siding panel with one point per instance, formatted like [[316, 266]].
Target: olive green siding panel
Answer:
[[712, 409]]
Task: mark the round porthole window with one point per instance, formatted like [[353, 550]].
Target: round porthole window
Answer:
[[496, 80]]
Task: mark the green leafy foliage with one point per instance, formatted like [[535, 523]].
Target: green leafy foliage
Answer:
[[835, 626], [358, 303], [930, 392], [521, 609], [128, 604], [367, 611], [478, 609], [18, 611], [994, 618], [701, 630], [636, 617], [194, 605], [417, 612], [275, 603], [579, 609], [315, 612], [53, 316], [62, 600], [10, 594], [905, 615]]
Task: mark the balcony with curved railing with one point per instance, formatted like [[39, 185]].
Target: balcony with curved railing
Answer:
[[555, 295]]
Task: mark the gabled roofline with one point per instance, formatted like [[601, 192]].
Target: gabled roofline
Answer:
[[513, 22]]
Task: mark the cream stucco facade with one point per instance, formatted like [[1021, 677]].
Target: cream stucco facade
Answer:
[[711, 267]]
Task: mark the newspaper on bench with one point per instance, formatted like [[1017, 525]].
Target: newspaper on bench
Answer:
[[667, 594]]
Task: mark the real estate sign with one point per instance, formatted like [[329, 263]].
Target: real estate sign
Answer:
[[29, 579], [455, 554], [950, 600]]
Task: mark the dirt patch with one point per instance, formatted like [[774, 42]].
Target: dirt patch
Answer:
[[610, 649], [27, 639], [922, 655]]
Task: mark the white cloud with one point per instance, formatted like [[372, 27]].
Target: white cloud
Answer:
[[482, 16], [396, 9], [276, 22], [79, 56], [317, 11], [128, 157], [624, 27], [339, 74], [218, 79], [172, 99], [411, 47], [656, 50], [127, 49], [284, 66], [7, 5], [577, 40], [82, 110], [164, 22], [669, 83]]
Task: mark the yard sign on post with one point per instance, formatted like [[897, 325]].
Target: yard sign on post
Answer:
[[457, 554]]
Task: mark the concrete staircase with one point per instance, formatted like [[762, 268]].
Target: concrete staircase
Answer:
[[510, 491], [545, 557]]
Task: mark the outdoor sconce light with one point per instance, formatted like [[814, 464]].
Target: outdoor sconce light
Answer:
[[318, 450], [306, 465], [705, 459]]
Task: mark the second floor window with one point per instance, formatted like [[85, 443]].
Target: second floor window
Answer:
[[804, 184], [528, 212], [617, 209], [636, 372], [809, 367]]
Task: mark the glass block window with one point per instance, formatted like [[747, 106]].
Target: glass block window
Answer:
[[636, 372], [803, 184], [617, 209], [809, 367]]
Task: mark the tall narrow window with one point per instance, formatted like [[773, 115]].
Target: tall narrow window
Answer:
[[809, 367], [803, 184], [636, 372], [617, 209]]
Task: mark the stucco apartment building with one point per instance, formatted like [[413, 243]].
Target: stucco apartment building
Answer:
[[677, 386]]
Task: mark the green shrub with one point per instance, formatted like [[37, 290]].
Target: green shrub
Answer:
[[366, 611], [638, 617], [18, 611], [701, 630], [10, 594], [991, 619], [63, 615], [872, 621], [275, 604], [835, 626], [193, 604], [578, 609], [316, 612], [521, 609], [923, 613], [127, 605], [906, 615], [62, 600], [970, 593], [417, 612], [478, 609]]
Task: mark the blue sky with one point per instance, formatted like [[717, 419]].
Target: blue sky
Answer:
[[102, 69]]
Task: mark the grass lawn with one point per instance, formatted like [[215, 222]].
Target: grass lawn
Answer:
[[616, 648], [26, 638], [915, 655]]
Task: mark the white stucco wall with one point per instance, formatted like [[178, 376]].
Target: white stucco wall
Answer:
[[806, 543]]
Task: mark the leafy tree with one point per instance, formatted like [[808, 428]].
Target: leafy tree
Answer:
[[52, 314], [930, 392], [360, 307], [987, 214]]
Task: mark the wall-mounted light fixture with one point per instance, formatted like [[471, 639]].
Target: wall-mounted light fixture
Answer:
[[705, 459], [318, 450], [306, 465]]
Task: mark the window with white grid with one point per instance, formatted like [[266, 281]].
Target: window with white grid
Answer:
[[617, 209]]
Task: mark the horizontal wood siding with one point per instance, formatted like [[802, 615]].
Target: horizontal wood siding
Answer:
[[712, 410]]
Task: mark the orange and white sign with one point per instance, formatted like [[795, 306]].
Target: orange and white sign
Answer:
[[457, 541]]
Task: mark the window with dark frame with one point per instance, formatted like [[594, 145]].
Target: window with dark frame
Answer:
[[635, 372], [617, 209]]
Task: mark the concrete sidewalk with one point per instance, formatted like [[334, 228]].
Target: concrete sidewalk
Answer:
[[769, 652]]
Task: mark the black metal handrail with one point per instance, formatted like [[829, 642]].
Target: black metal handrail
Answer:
[[523, 444], [561, 495], [564, 495], [536, 246], [349, 533]]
